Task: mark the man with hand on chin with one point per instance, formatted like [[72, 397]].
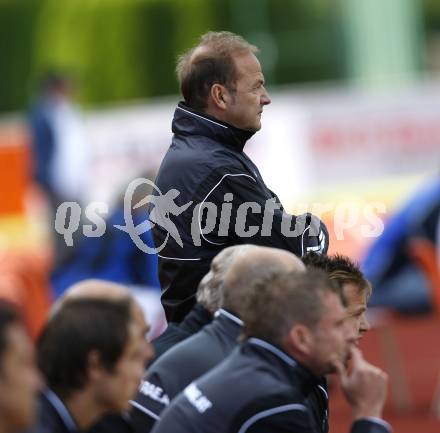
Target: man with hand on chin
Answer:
[[295, 332], [356, 290]]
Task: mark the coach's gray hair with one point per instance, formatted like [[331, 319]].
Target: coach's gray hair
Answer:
[[210, 290]]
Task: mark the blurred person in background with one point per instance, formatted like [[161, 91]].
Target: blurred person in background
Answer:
[[92, 353], [224, 96], [403, 264], [20, 380], [189, 360], [113, 256], [59, 147], [106, 290], [295, 331]]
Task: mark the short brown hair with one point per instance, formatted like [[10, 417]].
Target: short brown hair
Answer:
[[82, 325], [197, 72], [340, 269], [275, 305]]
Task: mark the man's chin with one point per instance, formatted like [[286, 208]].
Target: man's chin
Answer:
[[331, 368], [254, 128]]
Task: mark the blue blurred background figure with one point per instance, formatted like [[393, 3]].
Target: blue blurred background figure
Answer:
[[59, 149], [396, 265], [112, 256]]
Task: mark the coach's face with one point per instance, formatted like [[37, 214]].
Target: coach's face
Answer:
[[249, 95]]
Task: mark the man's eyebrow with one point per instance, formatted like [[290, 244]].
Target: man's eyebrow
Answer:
[[359, 310], [341, 320]]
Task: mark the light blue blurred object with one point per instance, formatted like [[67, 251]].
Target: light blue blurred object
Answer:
[[398, 282]]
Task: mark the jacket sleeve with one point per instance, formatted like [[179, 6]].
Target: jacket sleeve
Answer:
[[298, 421], [285, 419], [370, 425], [150, 401], [278, 412], [236, 208]]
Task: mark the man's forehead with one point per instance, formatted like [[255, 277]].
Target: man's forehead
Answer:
[[139, 316], [333, 308], [354, 295], [247, 64]]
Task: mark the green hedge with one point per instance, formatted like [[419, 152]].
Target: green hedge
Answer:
[[126, 49], [17, 20]]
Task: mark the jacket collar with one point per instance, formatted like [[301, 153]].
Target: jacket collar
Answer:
[[190, 122], [226, 315], [196, 319], [296, 372], [61, 410], [228, 322]]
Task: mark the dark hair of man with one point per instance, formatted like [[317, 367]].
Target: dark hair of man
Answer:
[[198, 70], [8, 316], [340, 269], [284, 300], [79, 327]]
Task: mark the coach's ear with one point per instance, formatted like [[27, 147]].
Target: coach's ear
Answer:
[[299, 341], [220, 96], [95, 369]]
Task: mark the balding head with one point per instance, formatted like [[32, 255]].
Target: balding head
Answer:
[[93, 289], [210, 290], [92, 292], [210, 62], [97, 289], [259, 265], [101, 290]]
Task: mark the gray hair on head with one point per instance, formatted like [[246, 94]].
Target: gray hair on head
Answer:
[[210, 290]]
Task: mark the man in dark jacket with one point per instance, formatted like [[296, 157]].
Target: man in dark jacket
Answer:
[[296, 332], [209, 194], [209, 300], [197, 355]]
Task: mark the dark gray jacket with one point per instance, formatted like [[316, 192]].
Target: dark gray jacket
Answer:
[[206, 164], [182, 364], [257, 389]]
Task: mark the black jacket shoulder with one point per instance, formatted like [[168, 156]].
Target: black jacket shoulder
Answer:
[[182, 364]]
